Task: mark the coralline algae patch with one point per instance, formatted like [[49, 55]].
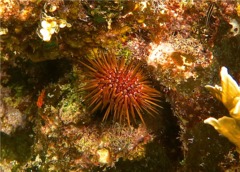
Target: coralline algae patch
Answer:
[[178, 58], [184, 66], [11, 119]]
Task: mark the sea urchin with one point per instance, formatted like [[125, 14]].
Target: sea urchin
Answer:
[[119, 89]]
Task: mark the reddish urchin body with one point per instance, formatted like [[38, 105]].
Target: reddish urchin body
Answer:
[[120, 89]]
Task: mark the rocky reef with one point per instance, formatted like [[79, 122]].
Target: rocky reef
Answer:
[[170, 49]]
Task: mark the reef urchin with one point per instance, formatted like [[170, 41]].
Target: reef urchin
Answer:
[[120, 89]]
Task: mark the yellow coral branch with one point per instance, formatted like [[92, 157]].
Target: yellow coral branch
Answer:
[[229, 127], [229, 94]]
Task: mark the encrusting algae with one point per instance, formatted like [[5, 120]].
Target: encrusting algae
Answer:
[[229, 94]]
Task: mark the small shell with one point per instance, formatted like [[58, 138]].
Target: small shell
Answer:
[[104, 156]]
